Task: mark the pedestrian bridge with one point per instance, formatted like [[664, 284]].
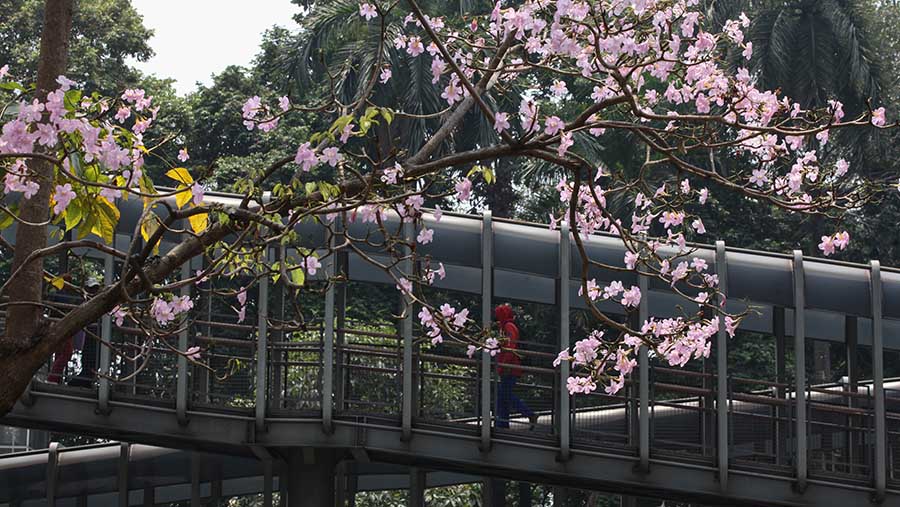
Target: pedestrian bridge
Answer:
[[338, 375]]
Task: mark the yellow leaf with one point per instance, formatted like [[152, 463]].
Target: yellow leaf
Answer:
[[181, 175], [107, 218], [149, 227], [183, 196], [58, 282], [199, 222]]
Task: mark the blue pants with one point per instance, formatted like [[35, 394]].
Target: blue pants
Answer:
[[507, 400]]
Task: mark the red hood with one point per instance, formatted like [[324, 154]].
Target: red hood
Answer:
[[504, 313]]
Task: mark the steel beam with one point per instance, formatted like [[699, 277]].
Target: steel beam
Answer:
[[195, 480], [722, 369], [644, 382], [328, 347], [262, 349], [880, 451], [416, 496], [181, 383], [487, 269], [800, 458], [406, 332], [106, 339], [564, 417]]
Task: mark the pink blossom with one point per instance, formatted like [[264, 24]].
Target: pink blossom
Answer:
[[118, 314], [425, 236], [878, 118], [415, 46], [631, 259], [698, 226], [565, 142], [552, 125], [110, 194], [452, 93], [631, 297], [463, 189], [699, 264], [827, 245], [331, 156], [312, 265], [4, 71], [615, 386], [284, 103], [492, 345], [385, 75], [470, 351], [251, 108], [562, 356], [242, 297], [193, 353], [65, 83], [123, 114], [391, 174], [367, 11], [183, 155], [842, 239], [501, 121], [63, 195], [306, 157], [197, 193], [437, 213], [841, 167], [405, 286], [559, 88]]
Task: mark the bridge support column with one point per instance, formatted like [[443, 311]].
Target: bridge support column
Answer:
[[417, 480], [310, 478], [560, 497]]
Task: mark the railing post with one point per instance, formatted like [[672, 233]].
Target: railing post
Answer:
[[262, 349], [52, 473], [328, 347], [124, 456], [181, 386], [800, 460], [781, 428], [106, 339], [487, 291], [406, 331], [722, 368], [878, 381], [644, 381], [564, 417]]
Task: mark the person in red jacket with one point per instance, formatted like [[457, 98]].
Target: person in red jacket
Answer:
[[508, 363]]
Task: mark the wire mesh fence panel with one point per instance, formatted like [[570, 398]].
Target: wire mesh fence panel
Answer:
[[369, 370], [841, 431], [448, 384], [295, 372], [758, 422], [226, 329], [892, 409], [607, 420], [682, 412]]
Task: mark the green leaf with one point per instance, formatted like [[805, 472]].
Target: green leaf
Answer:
[[387, 114], [6, 219], [298, 276], [73, 214]]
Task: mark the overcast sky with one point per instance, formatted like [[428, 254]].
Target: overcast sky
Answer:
[[196, 38]]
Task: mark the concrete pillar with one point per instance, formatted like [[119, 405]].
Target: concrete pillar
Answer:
[[417, 480], [310, 478]]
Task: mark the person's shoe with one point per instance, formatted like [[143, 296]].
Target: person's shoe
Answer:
[[532, 422]]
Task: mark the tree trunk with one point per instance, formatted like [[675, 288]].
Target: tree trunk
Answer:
[[23, 320]]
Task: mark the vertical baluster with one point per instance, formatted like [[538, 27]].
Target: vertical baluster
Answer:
[[181, 391], [106, 339], [800, 370], [52, 473], [262, 348], [722, 370], [487, 265], [564, 418], [880, 478], [328, 347], [124, 456], [644, 385], [406, 331]]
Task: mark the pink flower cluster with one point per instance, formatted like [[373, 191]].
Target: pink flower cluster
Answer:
[[165, 311]]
